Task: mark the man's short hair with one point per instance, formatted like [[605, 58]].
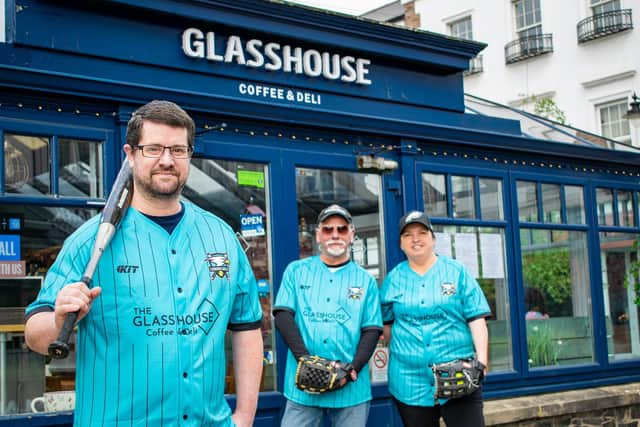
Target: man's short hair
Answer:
[[164, 112]]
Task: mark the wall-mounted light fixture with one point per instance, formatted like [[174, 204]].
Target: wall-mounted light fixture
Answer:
[[376, 163], [633, 115]]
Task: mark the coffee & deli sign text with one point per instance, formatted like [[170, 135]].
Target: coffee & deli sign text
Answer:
[[273, 56]]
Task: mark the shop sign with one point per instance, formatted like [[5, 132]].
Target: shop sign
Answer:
[[13, 269], [9, 247], [271, 56], [251, 225]]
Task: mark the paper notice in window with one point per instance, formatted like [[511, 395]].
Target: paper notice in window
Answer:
[[443, 244], [492, 256], [467, 251]]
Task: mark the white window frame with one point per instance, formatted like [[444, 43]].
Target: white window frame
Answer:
[[624, 102], [525, 29], [454, 24]]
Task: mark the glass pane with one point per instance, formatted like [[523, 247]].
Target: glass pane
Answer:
[[551, 203], [27, 165], [604, 201], [527, 201], [360, 194], [463, 197], [80, 168], [574, 203], [619, 254], [238, 193], [491, 207], [482, 251], [37, 233], [625, 208], [557, 298], [434, 193]]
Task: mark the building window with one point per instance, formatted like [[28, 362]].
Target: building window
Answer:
[[613, 123], [528, 18], [462, 28], [602, 6]]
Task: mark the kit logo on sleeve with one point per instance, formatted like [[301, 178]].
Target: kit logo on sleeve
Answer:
[[218, 264], [447, 289]]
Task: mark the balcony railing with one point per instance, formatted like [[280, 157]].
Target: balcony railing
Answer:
[[475, 65], [603, 24], [527, 47]]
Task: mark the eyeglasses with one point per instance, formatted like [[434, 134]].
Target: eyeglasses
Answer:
[[328, 229], [154, 151]]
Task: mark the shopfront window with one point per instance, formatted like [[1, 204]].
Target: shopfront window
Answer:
[[556, 297], [619, 257], [32, 237], [238, 193], [28, 168], [357, 192]]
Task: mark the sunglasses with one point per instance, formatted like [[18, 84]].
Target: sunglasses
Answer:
[[328, 229]]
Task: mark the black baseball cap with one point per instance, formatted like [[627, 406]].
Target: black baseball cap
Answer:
[[334, 210], [415, 217]]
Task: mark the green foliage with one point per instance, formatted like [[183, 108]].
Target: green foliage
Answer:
[[542, 348], [633, 278], [550, 272], [545, 107]]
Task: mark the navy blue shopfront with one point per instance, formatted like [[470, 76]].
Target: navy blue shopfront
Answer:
[[297, 109]]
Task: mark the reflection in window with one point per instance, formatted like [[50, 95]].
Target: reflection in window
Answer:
[[491, 199], [557, 290], [625, 208], [482, 251], [463, 197], [42, 229], [80, 165], [604, 205], [235, 190], [27, 164], [360, 194], [551, 203], [619, 254], [434, 191], [527, 201], [574, 201]]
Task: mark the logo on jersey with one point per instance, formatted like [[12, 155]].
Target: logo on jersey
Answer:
[[305, 287], [218, 264], [447, 289], [355, 293], [339, 316], [127, 268]]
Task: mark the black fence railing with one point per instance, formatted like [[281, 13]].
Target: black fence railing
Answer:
[[527, 47], [475, 65], [603, 24]]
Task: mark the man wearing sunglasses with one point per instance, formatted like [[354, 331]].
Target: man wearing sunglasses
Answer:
[[328, 306]]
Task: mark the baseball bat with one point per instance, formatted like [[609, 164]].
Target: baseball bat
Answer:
[[113, 212]]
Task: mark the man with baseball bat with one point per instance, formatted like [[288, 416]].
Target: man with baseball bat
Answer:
[[153, 311]]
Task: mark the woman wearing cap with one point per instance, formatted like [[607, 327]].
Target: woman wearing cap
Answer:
[[434, 312]]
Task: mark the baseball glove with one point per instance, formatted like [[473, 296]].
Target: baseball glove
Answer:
[[453, 379], [318, 375]]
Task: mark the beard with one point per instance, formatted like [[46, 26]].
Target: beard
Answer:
[[336, 250], [153, 189]]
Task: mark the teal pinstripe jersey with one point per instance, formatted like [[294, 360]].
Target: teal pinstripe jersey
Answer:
[[151, 350], [330, 309], [430, 315]]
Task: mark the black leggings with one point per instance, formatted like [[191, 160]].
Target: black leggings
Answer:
[[463, 411]]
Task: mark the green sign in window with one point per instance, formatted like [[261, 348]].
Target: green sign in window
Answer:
[[251, 178]]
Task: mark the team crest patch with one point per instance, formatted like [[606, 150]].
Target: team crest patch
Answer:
[[447, 289], [218, 264], [355, 293]]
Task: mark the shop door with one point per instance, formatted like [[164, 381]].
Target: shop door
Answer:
[[360, 193], [238, 192]]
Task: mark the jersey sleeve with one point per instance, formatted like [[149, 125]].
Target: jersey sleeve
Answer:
[[372, 317], [386, 304], [246, 312], [67, 268], [475, 302], [286, 298]]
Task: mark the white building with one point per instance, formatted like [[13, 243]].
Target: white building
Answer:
[[583, 55]]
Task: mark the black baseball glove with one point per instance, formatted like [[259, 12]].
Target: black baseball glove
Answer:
[[454, 379], [319, 375]]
